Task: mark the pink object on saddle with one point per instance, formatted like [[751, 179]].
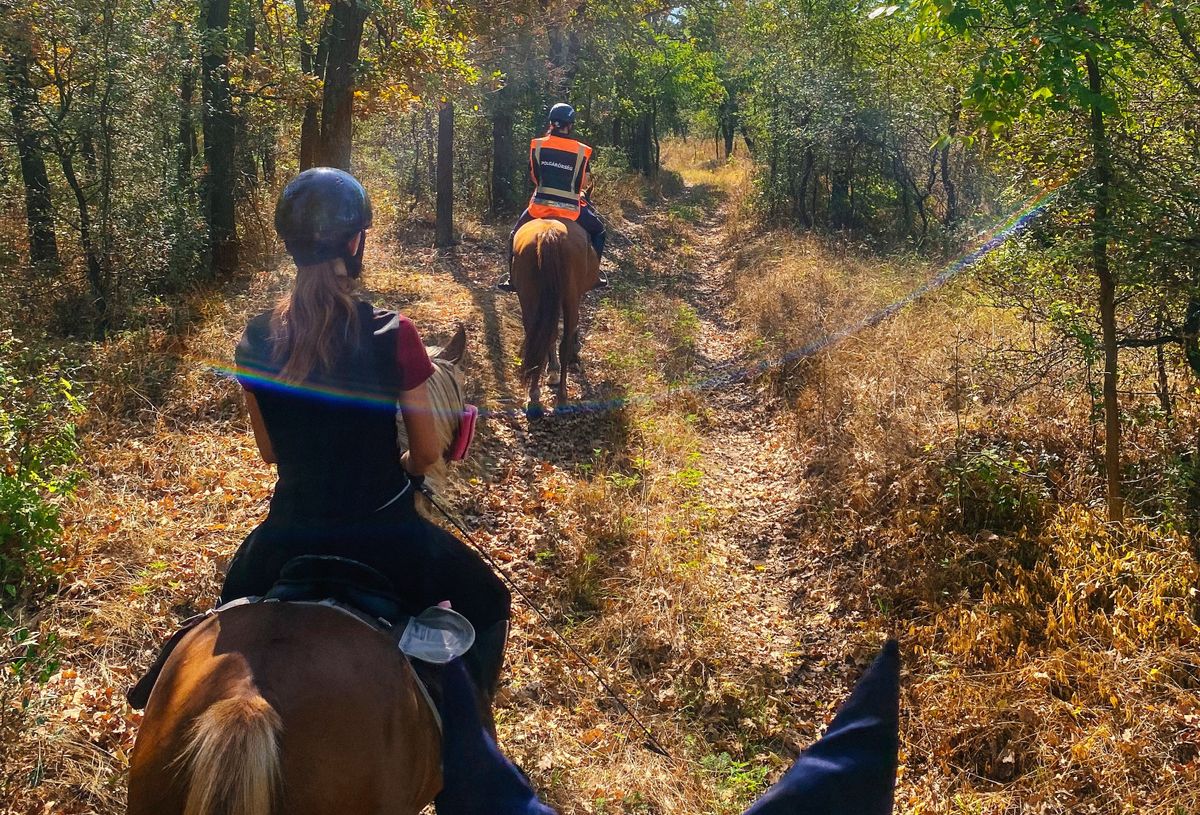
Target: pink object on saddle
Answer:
[[464, 435]]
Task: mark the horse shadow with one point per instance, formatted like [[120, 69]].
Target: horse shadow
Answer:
[[458, 260], [598, 420]]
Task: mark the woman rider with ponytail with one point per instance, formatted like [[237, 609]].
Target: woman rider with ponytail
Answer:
[[323, 372]]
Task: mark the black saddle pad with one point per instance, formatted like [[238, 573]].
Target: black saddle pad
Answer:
[[321, 577]]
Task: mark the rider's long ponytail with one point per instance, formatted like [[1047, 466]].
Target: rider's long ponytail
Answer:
[[316, 320]]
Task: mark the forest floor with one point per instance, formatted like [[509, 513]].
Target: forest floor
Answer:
[[672, 525]]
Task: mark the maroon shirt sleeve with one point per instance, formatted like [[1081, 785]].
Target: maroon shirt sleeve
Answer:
[[412, 359]]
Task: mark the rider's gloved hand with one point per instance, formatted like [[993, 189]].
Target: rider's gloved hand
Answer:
[[418, 481]]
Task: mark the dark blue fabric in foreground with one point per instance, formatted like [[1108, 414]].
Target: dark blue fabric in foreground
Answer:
[[476, 777], [850, 771]]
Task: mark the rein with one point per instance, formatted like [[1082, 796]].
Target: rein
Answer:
[[651, 743]]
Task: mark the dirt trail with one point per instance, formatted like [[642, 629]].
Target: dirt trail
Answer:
[[755, 479], [780, 612]]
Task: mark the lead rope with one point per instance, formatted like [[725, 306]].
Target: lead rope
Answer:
[[651, 743]]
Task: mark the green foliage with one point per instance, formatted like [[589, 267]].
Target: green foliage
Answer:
[[1182, 503], [643, 74], [739, 780], [28, 655], [1031, 87], [994, 488], [835, 106], [691, 475], [38, 450]]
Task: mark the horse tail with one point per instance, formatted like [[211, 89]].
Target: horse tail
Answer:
[[233, 750], [539, 336]]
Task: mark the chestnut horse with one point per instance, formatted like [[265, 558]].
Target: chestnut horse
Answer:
[[553, 267], [296, 708]]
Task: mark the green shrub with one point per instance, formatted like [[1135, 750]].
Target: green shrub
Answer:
[[994, 488], [38, 451]]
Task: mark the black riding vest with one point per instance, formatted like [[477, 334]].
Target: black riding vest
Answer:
[[334, 435]]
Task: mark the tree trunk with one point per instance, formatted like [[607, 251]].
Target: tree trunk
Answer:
[[947, 178], [502, 152], [186, 148], [337, 106], [1162, 385], [564, 56], [220, 128], [1101, 230], [95, 271], [839, 196], [310, 136], [415, 187], [727, 116], [444, 234], [310, 125], [654, 138], [39, 208], [430, 140], [640, 156], [246, 139], [108, 135], [806, 216]]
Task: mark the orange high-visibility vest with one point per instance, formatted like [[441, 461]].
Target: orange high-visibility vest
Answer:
[[559, 168]]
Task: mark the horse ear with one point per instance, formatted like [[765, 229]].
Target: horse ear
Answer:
[[456, 349]]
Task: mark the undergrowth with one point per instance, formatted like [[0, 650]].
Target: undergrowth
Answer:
[[39, 404], [1053, 659]]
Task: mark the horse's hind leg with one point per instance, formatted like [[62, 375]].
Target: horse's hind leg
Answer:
[[554, 369], [567, 349]]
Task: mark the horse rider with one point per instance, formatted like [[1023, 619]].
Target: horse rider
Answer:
[[558, 165], [323, 372]]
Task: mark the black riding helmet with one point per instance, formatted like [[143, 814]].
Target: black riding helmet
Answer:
[[319, 212], [562, 115]]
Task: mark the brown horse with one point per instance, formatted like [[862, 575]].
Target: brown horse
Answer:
[[296, 708], [553, 267], [283, 707]]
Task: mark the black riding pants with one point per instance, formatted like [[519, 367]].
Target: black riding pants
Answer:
[[588, 219], [425, 563]]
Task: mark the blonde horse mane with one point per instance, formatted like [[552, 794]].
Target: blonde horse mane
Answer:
[[447, 396]]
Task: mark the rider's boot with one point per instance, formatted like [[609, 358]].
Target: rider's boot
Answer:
[[484, 662], [505, 283], [598, 245]]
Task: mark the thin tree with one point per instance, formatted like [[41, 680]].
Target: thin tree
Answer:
[[220, 132], [444, 234], [39, 208], [337, 105]]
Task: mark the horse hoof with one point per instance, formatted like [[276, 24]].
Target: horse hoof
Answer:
[[553, 381], [534, 411]]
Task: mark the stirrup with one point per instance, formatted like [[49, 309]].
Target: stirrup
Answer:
[[505, 285]]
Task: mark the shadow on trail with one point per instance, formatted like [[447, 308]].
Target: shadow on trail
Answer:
[[483, 297], [646, 263], [593, 419]]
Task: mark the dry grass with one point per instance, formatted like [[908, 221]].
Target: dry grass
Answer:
[[1053, 660]]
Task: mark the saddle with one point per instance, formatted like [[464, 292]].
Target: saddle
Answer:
[[428, 639], [354, 585]]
